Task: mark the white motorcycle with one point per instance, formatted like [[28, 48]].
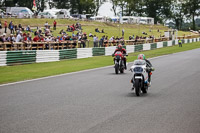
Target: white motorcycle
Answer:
[[141, 76]]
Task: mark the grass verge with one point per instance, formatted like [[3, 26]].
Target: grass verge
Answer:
[[37, 70]]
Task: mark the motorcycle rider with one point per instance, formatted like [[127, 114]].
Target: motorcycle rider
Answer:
[[119, 48], [148, 65]]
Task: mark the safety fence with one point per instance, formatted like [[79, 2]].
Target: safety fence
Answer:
[[37, 56]]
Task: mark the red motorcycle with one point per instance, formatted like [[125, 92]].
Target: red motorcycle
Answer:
[[119, 62]]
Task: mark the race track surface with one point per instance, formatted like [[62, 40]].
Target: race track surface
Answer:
[[99, 101]]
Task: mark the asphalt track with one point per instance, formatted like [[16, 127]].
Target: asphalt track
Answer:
[[98, 101]]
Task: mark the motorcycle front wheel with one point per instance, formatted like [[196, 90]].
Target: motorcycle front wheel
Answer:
[[116, 68], [137, 87]]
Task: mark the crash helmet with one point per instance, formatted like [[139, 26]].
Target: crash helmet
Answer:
[[120, 47], [141, 57]]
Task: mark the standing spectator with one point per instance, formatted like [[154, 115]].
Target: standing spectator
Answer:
[[122, 32], [84, 39], [180, 43], [101, 42], [6, 26], [9, 24], [19, 37], [95, 41], [12, 28], [54, 25]]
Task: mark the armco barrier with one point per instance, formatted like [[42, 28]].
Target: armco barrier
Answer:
[[153, 46], [173, 42], [68, 54], [84, 52], [164, 44], [110, 50], [159, 44], [169, 43], [32, 56], [176, 42], [3, 55], [130, 48], [20, 57], [138, 48], [47, 55], [98, 51], [146, 46]]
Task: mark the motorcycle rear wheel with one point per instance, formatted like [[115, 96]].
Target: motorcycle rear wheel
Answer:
[[137, 87]]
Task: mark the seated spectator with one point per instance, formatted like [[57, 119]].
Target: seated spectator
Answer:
[[28, 28], [144, 33], [102, 31], [46, 24], [20, 26], [11, 38], [90, 35], [97, 30], [130, 38]]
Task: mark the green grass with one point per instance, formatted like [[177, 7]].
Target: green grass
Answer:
[[37, 70]]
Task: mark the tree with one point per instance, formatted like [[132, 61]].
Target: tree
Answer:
[[157, 9], [191, 9], [177, 14], [114, 6]]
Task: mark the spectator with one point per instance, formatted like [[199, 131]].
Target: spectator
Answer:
[[130, 38], [12, 28], [1, 38], [123, 32], [90, 35], [95, 41], [102, 31], [112, 38], [10, 24], [19, 37], [6, 26], [28, 28], [54, 25], [46, 25], [11, 38], [97, 30], [133, 37], [101, 42], [36, 38], [4, 37], [84, 39], [20, 27]]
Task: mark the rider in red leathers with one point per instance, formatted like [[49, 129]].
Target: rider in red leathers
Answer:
[[119, 48]]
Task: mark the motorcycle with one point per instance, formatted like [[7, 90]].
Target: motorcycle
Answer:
[[119, 62], [141, 76]]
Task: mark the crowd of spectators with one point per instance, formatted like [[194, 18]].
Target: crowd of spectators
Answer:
[[18, 33], [74, 27]]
